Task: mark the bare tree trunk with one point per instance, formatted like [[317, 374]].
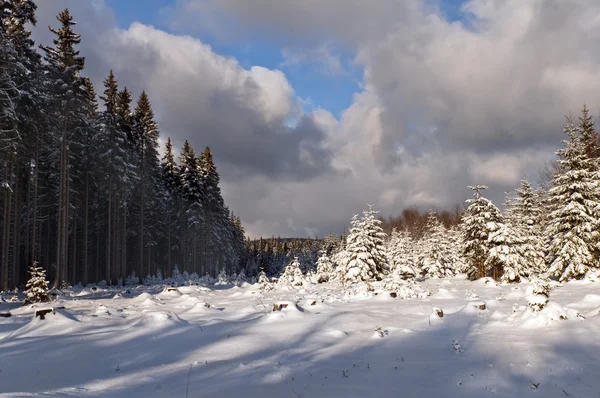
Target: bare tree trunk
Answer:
[[86, 229], [16, 234], [6, 226], [109, 229], [169, 243], [142, 211], [34, 254]]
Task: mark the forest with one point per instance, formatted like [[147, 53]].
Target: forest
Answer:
[[86, 193], [89, 196]]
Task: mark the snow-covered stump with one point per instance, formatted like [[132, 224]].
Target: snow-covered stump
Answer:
[[5, 314], [437, 311]]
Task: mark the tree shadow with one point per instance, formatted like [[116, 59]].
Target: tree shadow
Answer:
[[419, 356]]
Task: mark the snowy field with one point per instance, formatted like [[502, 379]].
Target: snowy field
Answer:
[[227, 342]]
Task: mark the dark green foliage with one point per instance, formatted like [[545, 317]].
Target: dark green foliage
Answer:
[[84, 191]]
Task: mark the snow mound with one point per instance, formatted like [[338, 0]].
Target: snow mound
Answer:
[[185, 300], [149, 303], [193, 289], [84, 292], [286, 309], [199, 308], [338, 334], [158, 319], [515, 294], [57, 322], [475, 307], [588, 301], [443, 294], [102, 310], [551, 313], [486, 282], [170, 293], [142, 297]]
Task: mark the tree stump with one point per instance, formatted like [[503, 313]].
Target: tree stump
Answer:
[[5, 314], [439, 312], [42, 313], [394, 294], [279, 307]]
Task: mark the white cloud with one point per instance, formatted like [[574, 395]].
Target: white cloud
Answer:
[[444, 104]]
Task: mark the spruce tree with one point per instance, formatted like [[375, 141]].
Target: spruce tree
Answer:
[[481, 219], [436, 259], [37, 286], [365, 250], [325, 268], [574, 196], [66, 113], [401, 255], [145, 134]]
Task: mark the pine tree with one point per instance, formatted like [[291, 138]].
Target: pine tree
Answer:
[[573, 229], [365, 249], [37, 286], [480, 220]]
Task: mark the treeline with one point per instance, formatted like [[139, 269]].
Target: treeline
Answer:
[[85, 192], [414, 221], [272, 255]]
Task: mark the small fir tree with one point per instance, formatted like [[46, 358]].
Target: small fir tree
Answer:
[[538, 293], [481, 218], [436, 261], [292, 274], [37, 286], [365, 249], [325, 268], [401, 255]]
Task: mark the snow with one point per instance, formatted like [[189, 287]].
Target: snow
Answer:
[[326, 341]]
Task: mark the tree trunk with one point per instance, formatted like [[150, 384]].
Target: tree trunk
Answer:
[[6, 226]]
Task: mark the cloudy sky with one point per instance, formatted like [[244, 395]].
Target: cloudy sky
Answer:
[[315, 108]]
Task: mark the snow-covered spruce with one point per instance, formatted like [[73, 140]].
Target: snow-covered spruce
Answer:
[[538, 293], [240, 279], [222, 278], [436, 257], [480, 220], [37, 285], [325, 269], [132, 279], [292, 275], [263, 282], [574, 197], [403, 288], [401, 255], [365, 250]]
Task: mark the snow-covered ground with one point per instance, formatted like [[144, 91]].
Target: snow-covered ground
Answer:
[[227, 342]]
